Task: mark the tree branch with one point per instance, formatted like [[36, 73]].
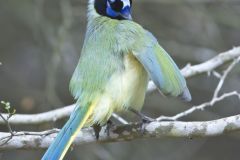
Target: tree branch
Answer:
[[126, 132], [188, 71], [36, 140]]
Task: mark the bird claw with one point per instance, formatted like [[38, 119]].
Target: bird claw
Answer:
[[97, 128], [145, 119]]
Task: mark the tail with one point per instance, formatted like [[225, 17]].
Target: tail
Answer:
[[66, 136]]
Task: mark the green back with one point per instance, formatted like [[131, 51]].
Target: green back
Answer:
[[99, 59]]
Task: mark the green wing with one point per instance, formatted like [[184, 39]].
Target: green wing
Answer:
[[162, 69]]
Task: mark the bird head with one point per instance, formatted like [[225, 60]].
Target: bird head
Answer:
[[115, 9]]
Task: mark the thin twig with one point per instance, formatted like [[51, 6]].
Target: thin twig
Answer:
[[7, 139], [224, 76], [200, 107], [216, 98]]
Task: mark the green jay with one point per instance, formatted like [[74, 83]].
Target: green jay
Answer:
[[117, 60]]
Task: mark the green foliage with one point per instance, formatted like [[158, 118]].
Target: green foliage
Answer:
[[8, 108]]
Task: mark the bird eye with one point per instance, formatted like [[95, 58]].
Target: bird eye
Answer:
[[116, 5]]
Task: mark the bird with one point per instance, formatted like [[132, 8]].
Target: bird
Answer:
[[117, 60]]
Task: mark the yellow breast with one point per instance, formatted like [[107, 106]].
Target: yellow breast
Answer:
[[125, 89]]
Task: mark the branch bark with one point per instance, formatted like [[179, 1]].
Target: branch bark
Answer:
[[36, 140], [188, 71]]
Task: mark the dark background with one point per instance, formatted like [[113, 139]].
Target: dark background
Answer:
[[40, 44]]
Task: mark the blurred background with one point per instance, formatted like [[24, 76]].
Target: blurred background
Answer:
[[40, 44]]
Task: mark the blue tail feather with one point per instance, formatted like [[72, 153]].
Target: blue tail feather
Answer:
[[60, 145]]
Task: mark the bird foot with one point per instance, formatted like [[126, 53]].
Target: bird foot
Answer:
[[97, 128], [145, 119]]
